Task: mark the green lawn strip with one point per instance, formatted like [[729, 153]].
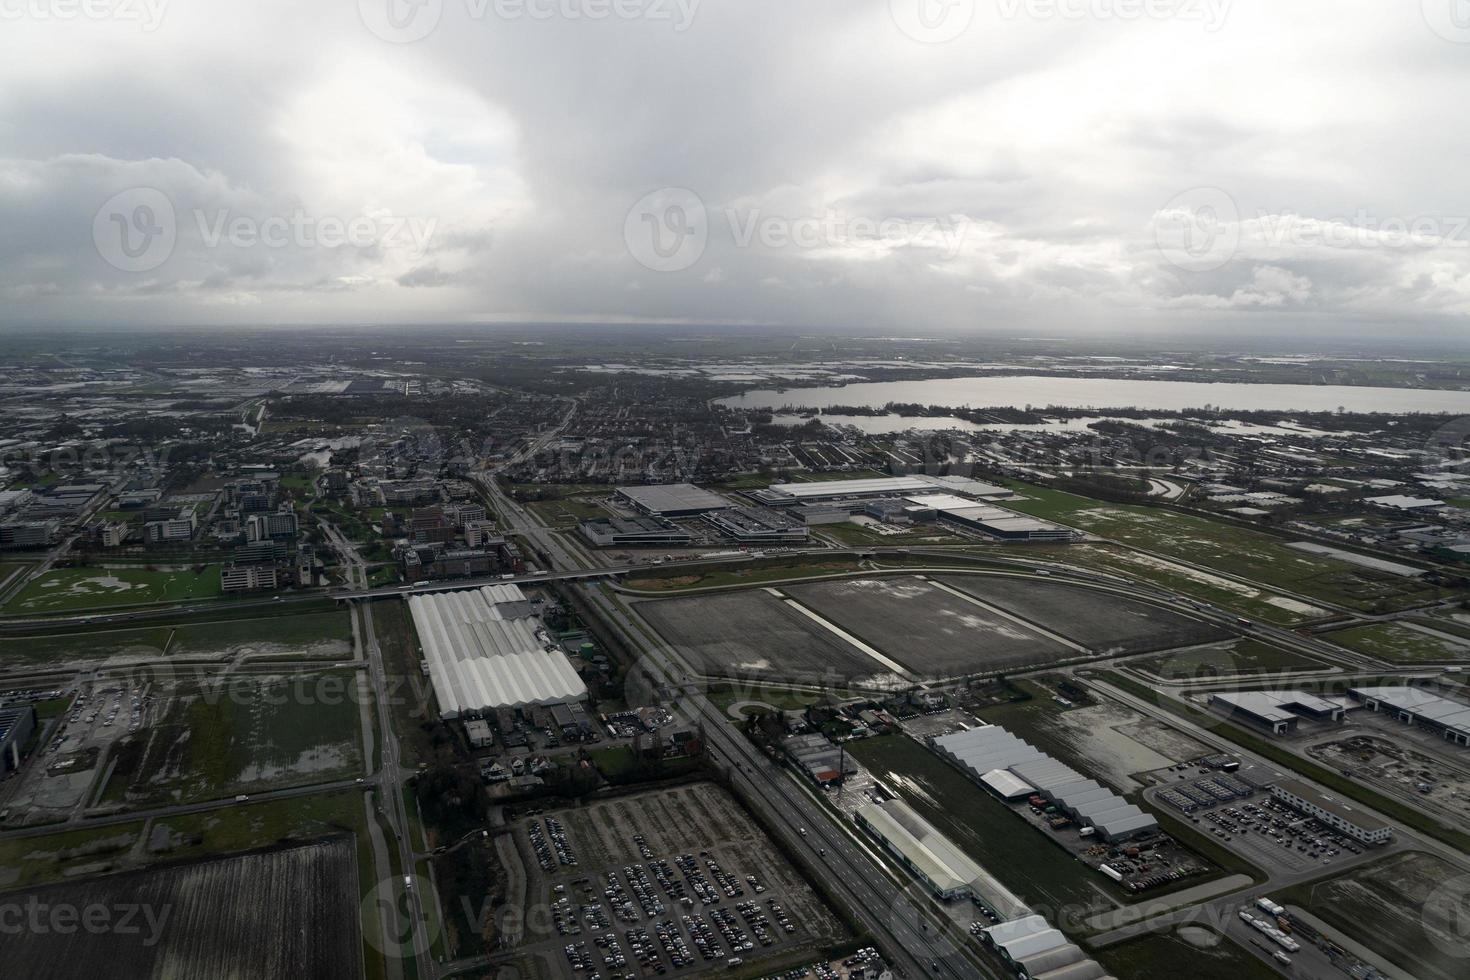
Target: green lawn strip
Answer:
[[1245, 656], [1397, 643], [399, 643], [27, 861], [99, 645], [1156, 955], [299, 632], [1327, 777]]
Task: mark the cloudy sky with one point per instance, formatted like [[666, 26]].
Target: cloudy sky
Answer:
[[899, 164]]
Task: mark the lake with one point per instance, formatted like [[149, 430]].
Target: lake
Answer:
[[1018, 391]]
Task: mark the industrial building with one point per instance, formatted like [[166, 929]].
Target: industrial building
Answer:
[[1416, 706], [485, 652], [1037, 951], [672, 500], [988, 519], [1331, 811], [1278, 711], [788, 494], [933, 858], [823, 762], [1012, 768], [634, 532], [758, 525], [17, 721]]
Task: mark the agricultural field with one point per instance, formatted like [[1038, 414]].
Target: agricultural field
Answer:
[[1402, 643], [933, 632], [1189, 951], [206, 919], [1243, 656], [586, 864], [205, 741], [1233, 550], [69, 589], [754, 634], [1106, 623], [1409, 908]]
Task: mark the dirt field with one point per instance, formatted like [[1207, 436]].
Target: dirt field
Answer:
[[682, 830], [1105, 623], [933, 632], [755, 634], [1398, 769], [1409, 908], [290, 912]]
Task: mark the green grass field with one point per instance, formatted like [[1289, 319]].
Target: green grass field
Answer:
[[72, 647], [566, 512], [70, 589], [1400, 644], [26, 861], [248, 733], [1156, 955], [1017, 854], [326, 634], [1253, 555], [1243, 656]]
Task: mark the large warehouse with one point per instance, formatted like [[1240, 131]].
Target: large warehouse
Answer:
[[778, 494], [672, 500], [1277, 710], [1036, 950], [484, 652], [1011, 768], [934, 858], [1416, 706]]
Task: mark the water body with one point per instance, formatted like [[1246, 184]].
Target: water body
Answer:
[[1040, 392]]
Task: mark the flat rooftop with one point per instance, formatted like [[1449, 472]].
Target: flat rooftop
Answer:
[[674, 498], [1331, 804]]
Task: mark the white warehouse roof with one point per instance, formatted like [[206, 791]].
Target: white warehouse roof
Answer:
[[479, 662]]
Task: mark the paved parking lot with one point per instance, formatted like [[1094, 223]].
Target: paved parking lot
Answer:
[[1273, 836], [673, 882]]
